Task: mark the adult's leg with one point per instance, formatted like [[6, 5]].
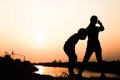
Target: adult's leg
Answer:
[[85, 60], [98, 52]]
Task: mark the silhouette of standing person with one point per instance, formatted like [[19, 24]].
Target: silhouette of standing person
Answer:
[[93, 44], [69, 48]]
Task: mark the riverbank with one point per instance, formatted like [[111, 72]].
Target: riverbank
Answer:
[[92, 66]]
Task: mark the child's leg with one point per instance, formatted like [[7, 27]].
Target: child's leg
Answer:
[[72, 64]]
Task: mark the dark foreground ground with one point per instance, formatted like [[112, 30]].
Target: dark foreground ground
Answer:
[[45, 77]]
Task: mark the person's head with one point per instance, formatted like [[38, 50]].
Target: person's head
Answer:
[[94, 19], [82, 33]]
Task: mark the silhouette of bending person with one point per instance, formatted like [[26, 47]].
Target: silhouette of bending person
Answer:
[[93, 44], [69, 48]]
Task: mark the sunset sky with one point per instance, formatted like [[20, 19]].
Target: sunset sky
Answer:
[[38, 29]]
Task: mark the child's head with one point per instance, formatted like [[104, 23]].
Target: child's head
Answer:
[[82, 33]]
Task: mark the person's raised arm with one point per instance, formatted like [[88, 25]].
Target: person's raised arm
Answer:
[[101, 26]]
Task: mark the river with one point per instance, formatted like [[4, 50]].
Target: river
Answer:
[[63, 72]]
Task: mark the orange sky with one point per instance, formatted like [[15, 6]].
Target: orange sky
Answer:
[[38, 29]]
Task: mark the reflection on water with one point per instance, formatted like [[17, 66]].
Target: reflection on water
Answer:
[[54, 71], [59, 71]]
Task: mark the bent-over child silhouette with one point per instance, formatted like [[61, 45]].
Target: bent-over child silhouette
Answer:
[[69, 48], [93, 44]]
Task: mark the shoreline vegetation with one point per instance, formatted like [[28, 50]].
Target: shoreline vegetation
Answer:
[[11, 69]]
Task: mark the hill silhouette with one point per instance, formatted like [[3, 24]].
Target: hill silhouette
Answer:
[[15, 69]]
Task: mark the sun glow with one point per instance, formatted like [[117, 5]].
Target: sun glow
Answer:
[[38, 37]]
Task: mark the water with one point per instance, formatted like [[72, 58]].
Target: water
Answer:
[[63, 72]]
